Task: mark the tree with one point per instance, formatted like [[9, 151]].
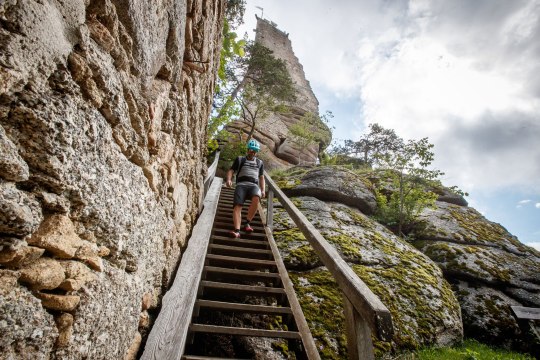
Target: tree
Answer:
[[265, 88], [310, 130], [406, 164], [377, 142], [232, 49]]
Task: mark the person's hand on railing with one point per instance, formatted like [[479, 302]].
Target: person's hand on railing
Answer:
[[228, 183]]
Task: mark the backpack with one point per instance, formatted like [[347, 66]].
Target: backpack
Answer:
[[242, 162]]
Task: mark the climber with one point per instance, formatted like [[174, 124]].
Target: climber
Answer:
[[249, 185]]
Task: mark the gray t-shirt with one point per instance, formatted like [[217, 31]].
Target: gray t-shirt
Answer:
[[250, 171]]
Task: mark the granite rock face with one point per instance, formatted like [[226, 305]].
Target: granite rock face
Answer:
[[488, 267], [424, 309], [279, 149], [103, 113]]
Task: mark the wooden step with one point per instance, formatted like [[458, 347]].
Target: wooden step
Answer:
[[258, 244], [239, 261], [201, 328], [253, 235], [218, 223], [242, 273], [237, 250], [197, 357], [252, 289], [244, 308]]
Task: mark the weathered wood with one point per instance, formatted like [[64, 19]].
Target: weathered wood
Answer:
[[253, 289], [362, 298], [240, 260], [303, 328], [240, 251], [526, 313], [195, 357], [359, 344], [270, 210], [167, 338], [211, 174], [245, 273], [244, 308], [244, 331], [250, 243]]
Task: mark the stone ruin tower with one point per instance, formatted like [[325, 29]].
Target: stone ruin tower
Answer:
[[278, 148]]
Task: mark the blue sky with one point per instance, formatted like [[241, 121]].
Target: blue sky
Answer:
[[464, 73]]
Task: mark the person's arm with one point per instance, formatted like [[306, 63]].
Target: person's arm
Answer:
[[228, 180], [262, 185], [261, 180], [230, 173]]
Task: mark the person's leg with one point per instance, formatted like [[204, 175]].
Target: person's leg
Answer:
[[252, 210], [239, 197], [237, 216]]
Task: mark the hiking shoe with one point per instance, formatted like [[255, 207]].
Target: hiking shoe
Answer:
[[234, 234], [248, 228]]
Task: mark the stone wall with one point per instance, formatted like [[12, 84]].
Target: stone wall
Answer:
[[279, 149], [103, 113]]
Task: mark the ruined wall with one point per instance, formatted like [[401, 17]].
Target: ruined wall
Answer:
[[103, 113], [279, 150]]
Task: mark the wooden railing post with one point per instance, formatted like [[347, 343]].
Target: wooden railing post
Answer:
[[270, 210], [359, 344]]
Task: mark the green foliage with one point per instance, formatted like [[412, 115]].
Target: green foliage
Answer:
[[377, 142], [267, 86], [468, 350], [401, 213], [406, 197], [309, 131], [232, 148]]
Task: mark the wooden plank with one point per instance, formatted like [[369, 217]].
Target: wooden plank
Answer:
[[167, 338], [270, 210], [240, 260], [252, 243], [211, 174], [196, 357], [250, 235], [363, 299], [239, 272], [240, 249], [528, 313], [228, 225], [301, 324], [244, 331], [359, 344], [244, 288], [244, 308]]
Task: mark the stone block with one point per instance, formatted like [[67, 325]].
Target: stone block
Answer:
[[59, 302], [57, 235], [45, 273]]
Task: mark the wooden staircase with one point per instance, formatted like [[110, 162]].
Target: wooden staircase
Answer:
[[243, 292]]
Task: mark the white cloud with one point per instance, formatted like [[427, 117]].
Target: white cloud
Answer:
[[524, 201], [537, 205]]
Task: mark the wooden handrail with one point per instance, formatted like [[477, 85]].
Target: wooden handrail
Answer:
[[362, 307], [167, 338], [211, 174]]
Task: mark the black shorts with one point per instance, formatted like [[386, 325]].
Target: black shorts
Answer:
[[245, 192]]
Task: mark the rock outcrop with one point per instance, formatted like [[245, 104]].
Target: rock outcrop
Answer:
[[279, 150], [468, 270], [103, 111]]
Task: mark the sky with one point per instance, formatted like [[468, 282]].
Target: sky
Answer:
[[465, 74]]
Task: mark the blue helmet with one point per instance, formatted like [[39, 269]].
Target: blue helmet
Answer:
[[253, 145]]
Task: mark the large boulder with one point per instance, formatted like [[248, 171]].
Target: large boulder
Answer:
[[489, 268], [424, 309], [329, 183]]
